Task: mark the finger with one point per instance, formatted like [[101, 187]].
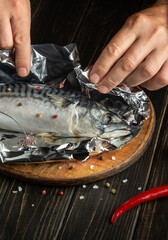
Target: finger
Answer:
[[148, 69], [112, 52], [21, 39], [159, 80], [126, 64], [6, 39]]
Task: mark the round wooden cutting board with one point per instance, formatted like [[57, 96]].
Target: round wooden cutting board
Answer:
[[98, 166]]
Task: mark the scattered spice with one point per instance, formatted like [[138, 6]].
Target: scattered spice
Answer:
[[20, 104], [33, 205], [71, 167], [39, 115], [113, 158], [113, 191], [19, 188], [91, 166], [55, 116], [9, 89], [81, 197], [38, 88], [43, 192], [101, 157], [139, 188], [61, 193], [95, 187], [60, 167], [84, 186], [14, 191], [140, 198], [107, 185], [125, 180], [101, 199]]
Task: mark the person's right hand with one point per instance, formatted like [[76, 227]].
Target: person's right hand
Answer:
[[15, 19]]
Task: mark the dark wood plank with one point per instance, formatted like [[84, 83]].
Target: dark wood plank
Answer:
[[102, 21], [19, 219], [95, 213], [56, 21], [154, 214]]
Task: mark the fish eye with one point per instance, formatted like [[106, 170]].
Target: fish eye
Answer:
[[107, 119]]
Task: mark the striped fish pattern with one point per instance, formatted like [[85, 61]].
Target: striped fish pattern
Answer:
[[41, 108]]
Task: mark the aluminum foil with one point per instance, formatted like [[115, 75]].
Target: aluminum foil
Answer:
[[59, 66]]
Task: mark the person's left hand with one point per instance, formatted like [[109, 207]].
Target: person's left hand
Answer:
[[137, 54]]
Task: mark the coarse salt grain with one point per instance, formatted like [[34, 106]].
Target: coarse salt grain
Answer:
[[81, 197], [95, 187], [113, 158], [91, 166], [33, 205], [139, 188], [19, 188], [14, 191], [125, 180], [84, 186]]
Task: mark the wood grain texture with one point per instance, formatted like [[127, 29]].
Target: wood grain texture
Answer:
[[98, 206], [81, 172], [155, 213]]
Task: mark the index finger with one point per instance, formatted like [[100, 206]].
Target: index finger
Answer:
[[112, 52], [22, 44]]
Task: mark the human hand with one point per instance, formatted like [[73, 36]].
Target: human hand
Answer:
[[15, 21], [137, 54]]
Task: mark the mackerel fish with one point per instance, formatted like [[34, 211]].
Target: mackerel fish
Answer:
[[48, 109]]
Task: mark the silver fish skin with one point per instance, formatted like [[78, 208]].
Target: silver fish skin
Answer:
[[40, 109]]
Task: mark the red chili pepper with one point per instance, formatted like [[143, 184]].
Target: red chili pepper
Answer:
[[140, 198]]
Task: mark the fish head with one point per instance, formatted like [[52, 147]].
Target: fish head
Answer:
[[97, 121]]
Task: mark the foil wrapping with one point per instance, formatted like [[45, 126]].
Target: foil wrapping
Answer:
[[59, 66]]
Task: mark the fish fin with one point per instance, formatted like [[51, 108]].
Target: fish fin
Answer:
[[59, 101]]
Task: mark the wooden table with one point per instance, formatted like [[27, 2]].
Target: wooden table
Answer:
[[30, 215]]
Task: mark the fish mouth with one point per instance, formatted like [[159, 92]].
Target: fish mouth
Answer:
[[114, 131]]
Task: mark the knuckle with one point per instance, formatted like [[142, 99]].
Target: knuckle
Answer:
[[158, 30], [5, 45], [113, 50], [127, 64], [101, 69], [20, 39], [148, 71], [111, 82], [163, 79], [17, 4], [136, 20]]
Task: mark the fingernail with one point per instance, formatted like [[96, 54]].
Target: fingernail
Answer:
[[22, 72], [94, 78], [103, 89]]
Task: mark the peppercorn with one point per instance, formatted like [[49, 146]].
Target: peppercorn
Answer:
[[39, 115], [113, 191], [43, 192], [107, 185]]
